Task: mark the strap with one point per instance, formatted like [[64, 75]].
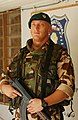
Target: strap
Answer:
[[45, 69]]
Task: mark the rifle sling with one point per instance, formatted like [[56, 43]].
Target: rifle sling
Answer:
[[45, 69]]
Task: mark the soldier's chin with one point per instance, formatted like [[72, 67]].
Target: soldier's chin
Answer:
[[37, 41], [37, 44]]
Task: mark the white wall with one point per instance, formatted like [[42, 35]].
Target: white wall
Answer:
[[72, 35]]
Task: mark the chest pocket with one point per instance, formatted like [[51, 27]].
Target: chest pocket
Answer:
[[31, 71]]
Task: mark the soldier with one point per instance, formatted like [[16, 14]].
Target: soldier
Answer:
[[46, 68]]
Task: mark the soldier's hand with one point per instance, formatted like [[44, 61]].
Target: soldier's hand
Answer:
[[9, 91], [34, 106]]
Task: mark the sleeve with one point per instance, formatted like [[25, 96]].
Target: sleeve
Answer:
[[66, 74], [13, 68]]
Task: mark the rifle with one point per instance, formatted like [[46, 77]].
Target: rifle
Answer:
[[25, 100]]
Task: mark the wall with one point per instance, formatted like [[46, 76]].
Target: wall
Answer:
[[71, 11]]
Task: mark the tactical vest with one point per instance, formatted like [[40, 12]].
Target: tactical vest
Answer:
[[52, 81]]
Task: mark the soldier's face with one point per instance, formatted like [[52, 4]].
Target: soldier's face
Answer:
[[40, 31]]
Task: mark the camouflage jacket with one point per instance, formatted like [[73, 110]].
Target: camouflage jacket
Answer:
[[28, 64]]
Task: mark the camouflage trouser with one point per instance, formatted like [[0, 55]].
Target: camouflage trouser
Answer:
[[54, 116]]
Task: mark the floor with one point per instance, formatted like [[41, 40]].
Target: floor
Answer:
[[4, 113]]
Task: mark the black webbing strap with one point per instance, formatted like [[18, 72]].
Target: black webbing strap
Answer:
[[45, 69]]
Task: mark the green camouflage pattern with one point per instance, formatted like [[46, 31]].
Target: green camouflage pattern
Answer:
[[28, 65]]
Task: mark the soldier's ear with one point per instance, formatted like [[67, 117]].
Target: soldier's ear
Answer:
[[50, 30]]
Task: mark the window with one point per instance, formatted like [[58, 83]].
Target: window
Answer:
[[10, 38]]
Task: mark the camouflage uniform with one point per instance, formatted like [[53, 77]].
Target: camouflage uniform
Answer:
[[60, 75]]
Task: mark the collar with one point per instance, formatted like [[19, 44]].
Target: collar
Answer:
[[30, 42]]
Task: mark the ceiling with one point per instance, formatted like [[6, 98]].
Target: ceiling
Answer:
[[11, 4]]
